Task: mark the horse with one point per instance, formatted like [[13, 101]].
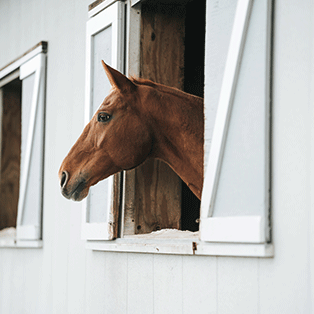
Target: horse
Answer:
[[138, 120]]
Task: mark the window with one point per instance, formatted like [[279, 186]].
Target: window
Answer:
[[235, 212], [155, 27], [22, 107], [169, 54]]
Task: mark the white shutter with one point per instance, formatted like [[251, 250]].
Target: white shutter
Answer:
[[105, 40], [235, 199], [29, 219]]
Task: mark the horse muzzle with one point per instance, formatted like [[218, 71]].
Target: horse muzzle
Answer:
[[76, 191]]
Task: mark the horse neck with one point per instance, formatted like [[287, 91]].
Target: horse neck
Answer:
[[177, 120]]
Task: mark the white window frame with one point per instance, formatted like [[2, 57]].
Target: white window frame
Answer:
[[37, 66], [250, 231], [112, 15], [32, 62]]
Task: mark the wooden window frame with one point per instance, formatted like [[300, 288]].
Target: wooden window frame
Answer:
[[250, 231], [113, 16], [32, 62]]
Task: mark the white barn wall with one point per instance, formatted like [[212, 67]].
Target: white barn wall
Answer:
[[64, 277], [49, 280], [286, 285]]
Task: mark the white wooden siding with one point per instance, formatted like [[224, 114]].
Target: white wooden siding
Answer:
[[65, 278]]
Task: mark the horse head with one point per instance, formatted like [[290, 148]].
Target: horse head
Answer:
[[116, 138]]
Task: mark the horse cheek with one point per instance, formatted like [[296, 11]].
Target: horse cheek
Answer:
[[132, 146]]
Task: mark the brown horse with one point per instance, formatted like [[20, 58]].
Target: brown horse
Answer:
[[138, 120]]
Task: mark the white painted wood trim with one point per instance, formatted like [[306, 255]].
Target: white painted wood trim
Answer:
[[13, 243], [10, 77], [105, 4], [224, 106], [8, 240], [34, 244], [15, 65], [98, 231], [95, 231], [133, 40], [30, 67], [34, 65], [182, 247], [249, 229], [28, 232], [113, 16], [135, 2]]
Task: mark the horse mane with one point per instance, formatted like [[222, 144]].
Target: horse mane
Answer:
[[163, 88]]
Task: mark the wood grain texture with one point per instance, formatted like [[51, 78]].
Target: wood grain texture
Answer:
[[162, 44], [10, 153], [115, 206], [158, 200], [158, 188]]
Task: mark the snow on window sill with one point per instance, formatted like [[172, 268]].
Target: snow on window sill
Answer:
[[166, 234], [172, 241]]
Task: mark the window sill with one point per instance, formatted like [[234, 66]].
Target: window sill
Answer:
[[8, 240], [13, 243], [184, 244]]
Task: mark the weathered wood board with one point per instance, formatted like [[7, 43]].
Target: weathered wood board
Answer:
[[158, 188]]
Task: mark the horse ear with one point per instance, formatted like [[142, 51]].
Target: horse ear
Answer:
[[117, 79]]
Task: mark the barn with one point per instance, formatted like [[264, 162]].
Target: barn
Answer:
[[141, 242]]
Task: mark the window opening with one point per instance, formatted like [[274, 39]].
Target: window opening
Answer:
[[22, 93], [173, 55], [10, 136], [193, 84]]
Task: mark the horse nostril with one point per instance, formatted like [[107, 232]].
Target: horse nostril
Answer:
[[64, 179]]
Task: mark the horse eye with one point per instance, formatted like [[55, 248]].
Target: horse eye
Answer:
[[103, 117]]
